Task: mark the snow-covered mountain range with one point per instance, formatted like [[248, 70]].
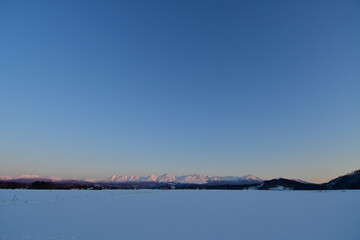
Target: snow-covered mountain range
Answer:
[[30, 178], [165, 178], [170, 181], [191, 178]]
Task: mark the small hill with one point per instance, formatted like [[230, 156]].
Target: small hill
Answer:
[[287, 184], [348, 181]]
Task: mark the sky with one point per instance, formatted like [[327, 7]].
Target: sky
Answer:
[[95, 88]]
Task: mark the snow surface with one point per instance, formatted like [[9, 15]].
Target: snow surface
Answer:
[[179, 214]]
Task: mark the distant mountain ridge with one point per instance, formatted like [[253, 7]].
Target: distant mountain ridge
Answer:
[[30, 178], [191, 178], [165, 178], [169, 181]]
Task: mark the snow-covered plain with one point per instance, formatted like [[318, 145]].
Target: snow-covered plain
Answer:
[[179, 214]]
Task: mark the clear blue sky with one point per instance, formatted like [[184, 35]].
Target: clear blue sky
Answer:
[[95, 88]]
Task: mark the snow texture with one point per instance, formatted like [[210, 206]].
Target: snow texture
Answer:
[[179, 214]]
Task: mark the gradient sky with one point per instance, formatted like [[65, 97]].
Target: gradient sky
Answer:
[[95, 88]]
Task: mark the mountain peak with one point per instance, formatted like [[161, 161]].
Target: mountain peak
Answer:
[[27, 176]]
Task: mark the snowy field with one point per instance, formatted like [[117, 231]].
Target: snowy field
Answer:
[[179, 214]]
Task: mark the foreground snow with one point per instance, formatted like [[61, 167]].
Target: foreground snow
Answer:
[[143, 214]]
